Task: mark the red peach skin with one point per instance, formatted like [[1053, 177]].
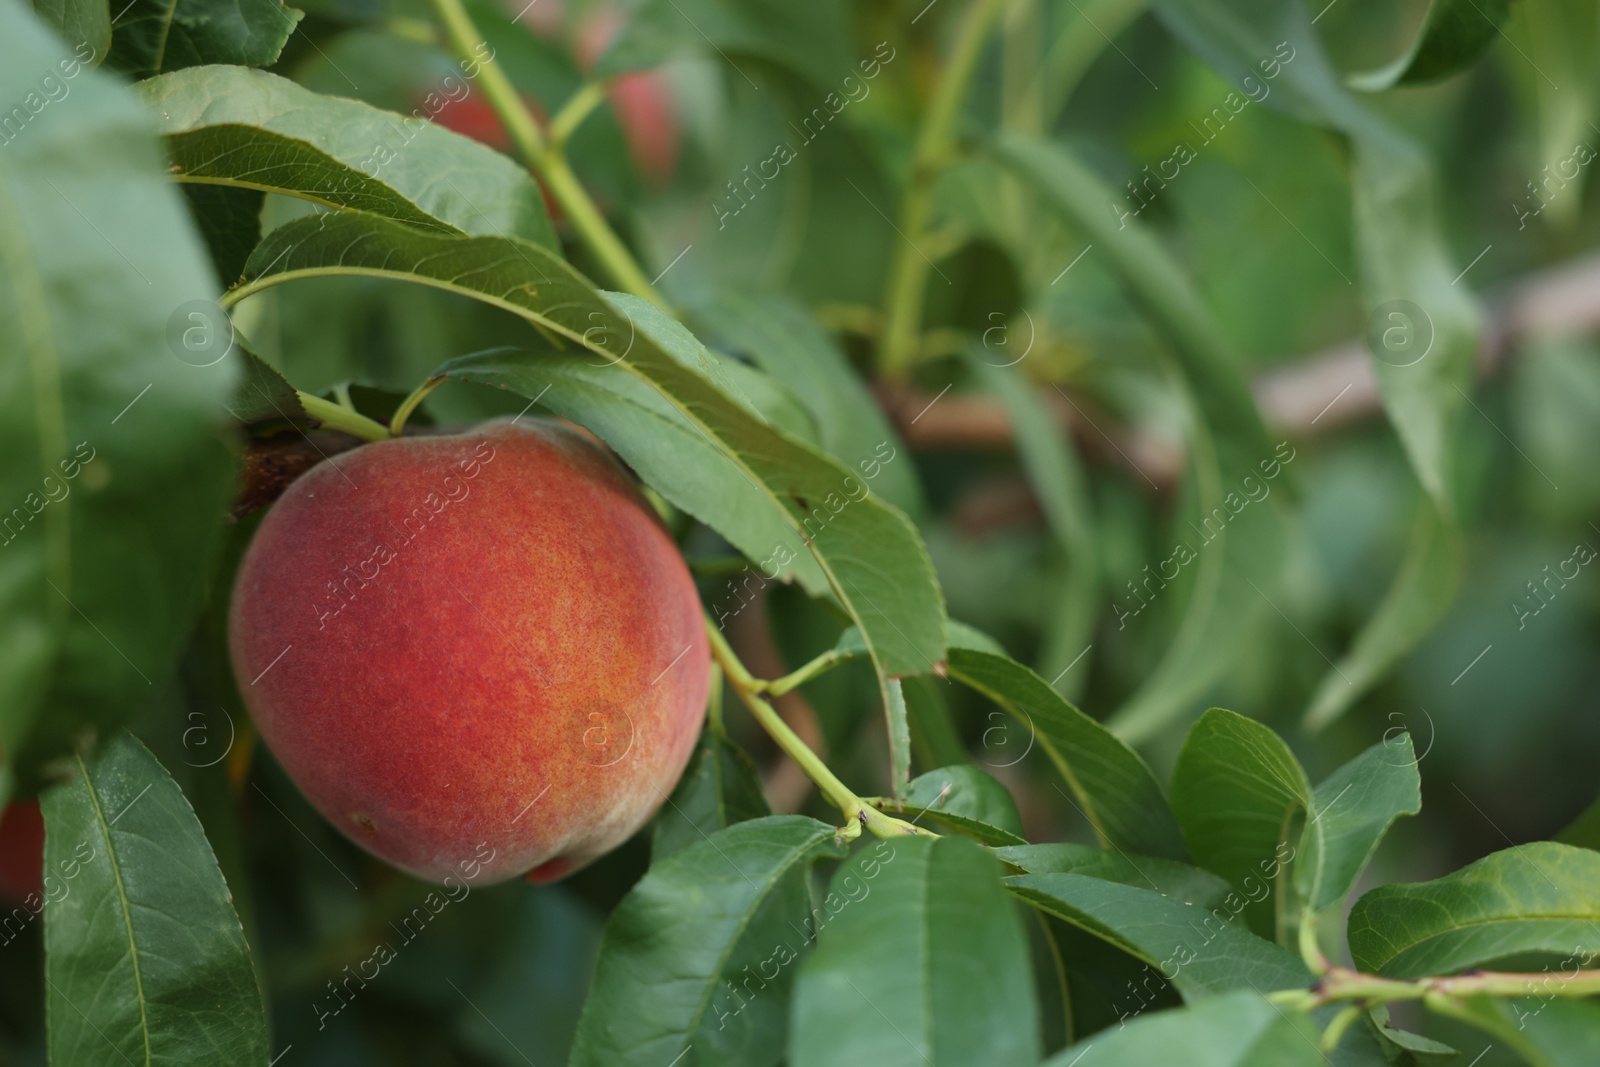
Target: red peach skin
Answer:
[[476, 655]]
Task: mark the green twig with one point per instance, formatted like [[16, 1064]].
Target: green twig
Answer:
[[575, 110], [1342, 984], [334, 417], [545, 159], [1341, 1022], [409, 404], [779, 686], [857, 812], [908, 273]]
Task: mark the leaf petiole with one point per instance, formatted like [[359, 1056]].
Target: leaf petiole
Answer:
[[336, 417], [857, 812]]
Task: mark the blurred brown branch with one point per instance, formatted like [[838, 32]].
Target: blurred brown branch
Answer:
[[1328, 389]]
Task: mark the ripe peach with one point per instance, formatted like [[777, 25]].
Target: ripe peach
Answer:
[[476, 655]]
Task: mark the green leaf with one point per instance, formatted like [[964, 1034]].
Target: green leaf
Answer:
[[1545, 1030], [720, 787], [249, 129], [1192, 885], [115, 477], [1059, 481], [1236, 789], [1584, 831], [1533, 898], [808, 41], [871, 557], [1111, 785], [787, 343], [1421, 594], [1200, 953], [84, 25], [701, 953], [1352, 810], [229, 220], [962, 799], [1408, 284], [263, 395], [1233, 1030], [966, 791], [923, 962], [155, 36], [145, 957], [1452, 37], [1228, 444]]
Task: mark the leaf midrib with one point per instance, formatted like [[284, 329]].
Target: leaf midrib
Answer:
[[122, 897]]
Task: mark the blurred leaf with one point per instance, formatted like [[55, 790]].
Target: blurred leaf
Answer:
[[1110, 784], [1192, 885], [787, 343], [924, 962], [1537, 897], [145, 952], [1227, 441], [1057, 478], [1559, 91], [1352, 810], [83, 25], [1234, 1030], [155, 36], [1452, 37], [1584, 831], [247, 128], [681, 952], [720, 787], [1235, 790], [1407, 280], [808, 41], [1402, 254], [115, 478], [1421, 594], [1199, 959], [1544, 1031]]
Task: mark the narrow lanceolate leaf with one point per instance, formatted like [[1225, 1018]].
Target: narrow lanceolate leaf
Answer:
[[1234, 542], [1453, 36], [1108, 781], [1418, 598], [108, 417], [1234, 1030], [720, 787], [1350, 813], [924, 961], [1236, 789], [701, 954], [155, 36], [868, 554], [144, 956], [785, 341], [1422, 328], [249, 129], [1051, 462], [1192, 885], [1534, 898], [1202, 953]]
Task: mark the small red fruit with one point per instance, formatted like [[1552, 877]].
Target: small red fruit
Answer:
[[477, 655]]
